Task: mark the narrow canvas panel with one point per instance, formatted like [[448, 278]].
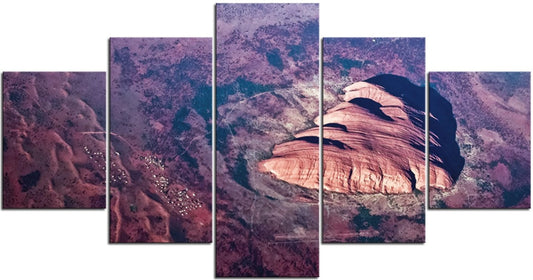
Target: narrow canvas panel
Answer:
[[374, 140], [267, 100], [160, 140], [484, 121], [53, 144]]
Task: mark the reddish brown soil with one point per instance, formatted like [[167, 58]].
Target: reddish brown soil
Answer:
[[51, 122]]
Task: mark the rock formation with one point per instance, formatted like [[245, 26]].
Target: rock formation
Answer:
[[373, 142]]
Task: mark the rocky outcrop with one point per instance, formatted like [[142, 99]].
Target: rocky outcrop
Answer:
[[373, 142]]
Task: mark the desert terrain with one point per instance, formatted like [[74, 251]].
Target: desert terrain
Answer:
[[160, 141], [267, 91], [53, 140], [371, 213], [492, 113]]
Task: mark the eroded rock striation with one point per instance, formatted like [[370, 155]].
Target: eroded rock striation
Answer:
[[373, 142]]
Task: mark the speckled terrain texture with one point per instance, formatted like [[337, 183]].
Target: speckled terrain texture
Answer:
[[492, 110], [53, 127], [379, 217], [160, 165], [267, 91]]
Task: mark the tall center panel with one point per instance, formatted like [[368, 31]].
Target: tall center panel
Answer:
[[267, 164]]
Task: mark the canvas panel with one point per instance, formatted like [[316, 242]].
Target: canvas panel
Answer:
[[374, 140], [486, 121], [160, 140], [267, 173], [53, 140]]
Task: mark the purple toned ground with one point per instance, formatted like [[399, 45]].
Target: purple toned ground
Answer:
[[160, 173], [53, 127], [267, 90], [371, 218], [492, 110]]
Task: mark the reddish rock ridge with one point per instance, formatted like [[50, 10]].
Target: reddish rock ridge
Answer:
[[373, 143]]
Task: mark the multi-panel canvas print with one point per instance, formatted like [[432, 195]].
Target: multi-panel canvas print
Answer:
[[266, 141]]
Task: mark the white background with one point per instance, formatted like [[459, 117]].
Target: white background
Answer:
[[460, 36]]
